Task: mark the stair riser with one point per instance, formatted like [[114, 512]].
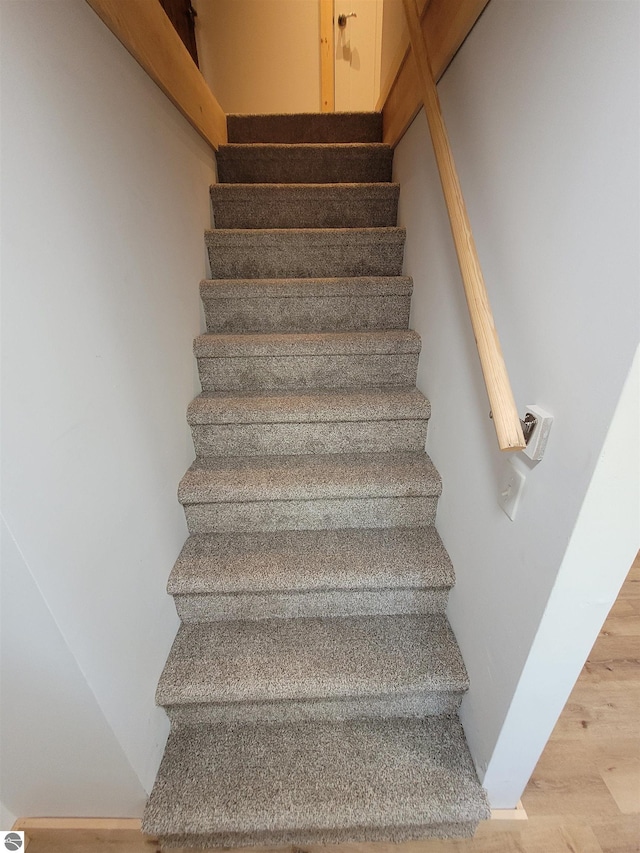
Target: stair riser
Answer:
[[301, 838], [263, 439], [322, 314], [352, 165], [304, 254], [309, 207], [314, 127], [416, 704], [286, 605], [307, 371], [326, 514]]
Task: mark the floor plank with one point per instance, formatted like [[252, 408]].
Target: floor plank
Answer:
[[620, 836], [622, 778]]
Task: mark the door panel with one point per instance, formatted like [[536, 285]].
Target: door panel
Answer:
[[357, 54]]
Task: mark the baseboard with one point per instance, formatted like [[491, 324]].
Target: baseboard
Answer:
[[518, 813], [129, 829], [25, 824], [78, 830]]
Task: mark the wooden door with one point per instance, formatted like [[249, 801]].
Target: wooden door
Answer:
[[357, 47], [182, 15]]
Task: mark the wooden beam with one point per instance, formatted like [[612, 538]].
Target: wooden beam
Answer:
[[401, 55], [327, 64], [147, 33], [505, 414], [445, 25]]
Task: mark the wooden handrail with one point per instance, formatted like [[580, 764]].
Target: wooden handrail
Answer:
[[503, 407], [147, 33]]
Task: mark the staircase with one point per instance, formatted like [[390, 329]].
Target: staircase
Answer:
[[314, 682]]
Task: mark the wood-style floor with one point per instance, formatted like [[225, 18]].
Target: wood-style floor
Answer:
[[584, 796]]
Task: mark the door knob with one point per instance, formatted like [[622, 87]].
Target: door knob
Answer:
[[342, 19]]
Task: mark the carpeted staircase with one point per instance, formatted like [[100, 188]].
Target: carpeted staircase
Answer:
[[314, 683]]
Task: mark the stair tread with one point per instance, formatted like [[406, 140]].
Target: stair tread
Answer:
[[305, 252], [312, 477], [315, 658], [277, 235], [362, 189], [259, 288], [252, 780], [305, 127], [312, 560], [315, 163], [305, 406], [212, 345], [302, 148], [316, 205]]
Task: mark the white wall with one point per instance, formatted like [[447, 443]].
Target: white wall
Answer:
[[541, 104], [594, 567], [7, 817], [261, 57], [104, 203], [59, 754]]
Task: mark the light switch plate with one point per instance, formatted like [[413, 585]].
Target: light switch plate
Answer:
[[511, 488]]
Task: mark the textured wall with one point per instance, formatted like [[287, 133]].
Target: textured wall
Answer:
[[104, 202], [541, 104]]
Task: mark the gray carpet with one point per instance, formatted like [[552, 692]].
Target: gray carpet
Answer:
[[313, 686], [326, 573], [293, 423], [310, 127], [396, 779], [305, 252], [327, 360], [309, 477], [304, 205], [312, 560], [305, 659], [298, 407], [304, 164], [306, 304]]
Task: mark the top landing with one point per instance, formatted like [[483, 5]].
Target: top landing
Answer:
[[305, 127]]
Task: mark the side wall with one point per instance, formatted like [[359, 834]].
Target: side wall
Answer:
[[104, 203], [593, 569], [261, 57], [541, 104]]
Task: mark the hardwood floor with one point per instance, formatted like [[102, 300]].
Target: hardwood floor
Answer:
[[583, 797]]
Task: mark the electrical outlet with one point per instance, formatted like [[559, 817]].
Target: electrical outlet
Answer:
[[538, 440], [511, 488]]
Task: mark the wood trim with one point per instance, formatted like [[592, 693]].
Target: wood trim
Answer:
[[147, 33], [518, 813], [399, 59], [445, 25], [505, 414], [119, 824], [327, 50], [87, 831]]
